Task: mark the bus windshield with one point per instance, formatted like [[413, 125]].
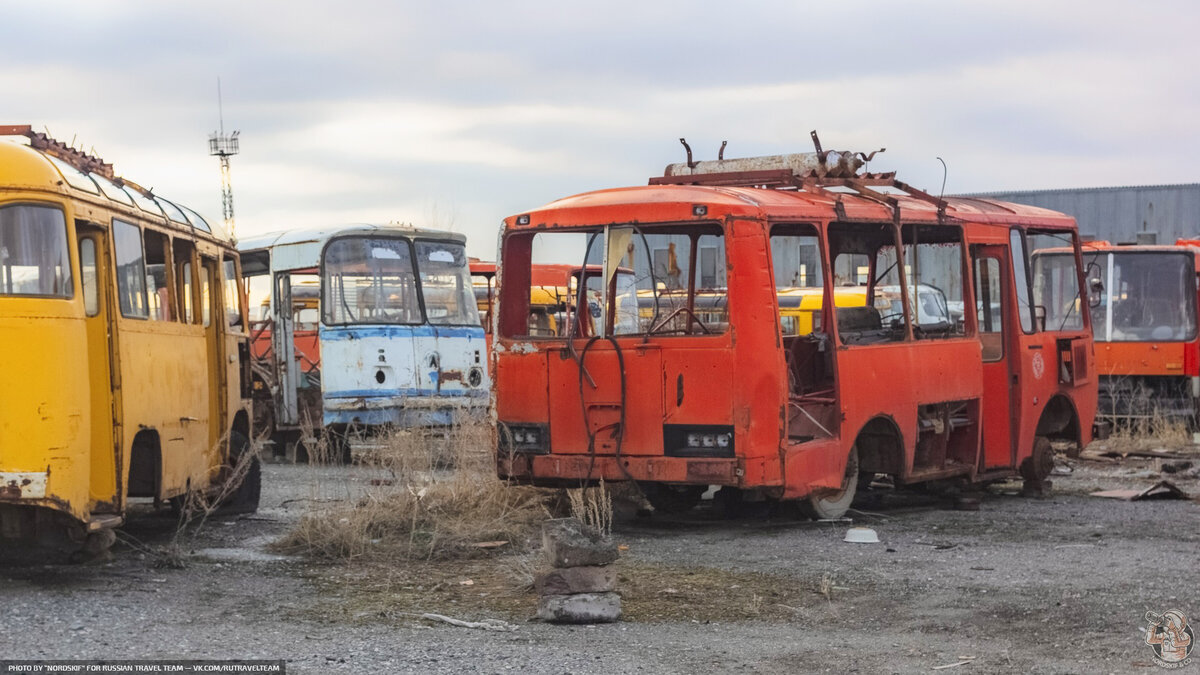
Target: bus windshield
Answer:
[[446, 283], [33, 252], [1147, 296], [639, 280], [369, 280]]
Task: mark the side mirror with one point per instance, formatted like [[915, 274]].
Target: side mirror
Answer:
[[1095, 292]]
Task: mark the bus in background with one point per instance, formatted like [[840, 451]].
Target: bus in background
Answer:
[[1143, 309], [124, 361], [550, 295], [399, 340], [710, 391]]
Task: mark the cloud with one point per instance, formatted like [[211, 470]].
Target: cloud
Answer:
[[465, 113]]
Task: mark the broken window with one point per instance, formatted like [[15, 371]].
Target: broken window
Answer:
[[233, 311], [1056, 282], [989, 307], [183, 277], [629, 280], [369, 280], [1020, 261], [446, 283], [799, 285], [933, 256], [33, 252], [131, 270], [158, 292], [869, 252]]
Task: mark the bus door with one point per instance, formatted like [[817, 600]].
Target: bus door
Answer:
[[1000, 370], [103, 384], [283, 344], [210, 316]]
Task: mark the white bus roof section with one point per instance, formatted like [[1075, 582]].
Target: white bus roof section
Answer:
[[300, 248]]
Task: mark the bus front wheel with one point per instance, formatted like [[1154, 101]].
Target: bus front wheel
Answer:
[[827, 505]]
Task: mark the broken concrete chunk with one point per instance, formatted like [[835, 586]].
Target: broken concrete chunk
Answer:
[[570, 543], [580, 608], [568, 580]]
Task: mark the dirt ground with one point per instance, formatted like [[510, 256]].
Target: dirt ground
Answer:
[[1051, 585]]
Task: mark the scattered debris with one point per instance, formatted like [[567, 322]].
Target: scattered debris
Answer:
[[965, 660], [861, 535], [1160, 490], [485, 624], [491, 544]]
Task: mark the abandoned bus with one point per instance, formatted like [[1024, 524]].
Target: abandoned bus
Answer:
[[1143, 308], [716, 392], [124, 359], [399, 342]]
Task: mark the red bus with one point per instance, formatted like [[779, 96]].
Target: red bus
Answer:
[[961, 365]]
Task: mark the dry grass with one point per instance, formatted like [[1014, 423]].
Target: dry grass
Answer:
[[593, 507], [1151, 426], [431, 496]]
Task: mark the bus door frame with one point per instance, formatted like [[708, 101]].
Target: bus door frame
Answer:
[[104, 323]]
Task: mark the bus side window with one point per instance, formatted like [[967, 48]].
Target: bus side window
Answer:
[[1020, 258], [233, 296], [89, 276], [206, 298], [988, 303], [158, 291], [183, 277], [131, 270]]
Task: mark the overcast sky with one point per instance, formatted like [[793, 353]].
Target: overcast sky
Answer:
[[457, 114]]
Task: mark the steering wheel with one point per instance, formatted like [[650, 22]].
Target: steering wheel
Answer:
[[672, 315]]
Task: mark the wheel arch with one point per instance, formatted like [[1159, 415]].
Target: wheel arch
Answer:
[[880, 446]]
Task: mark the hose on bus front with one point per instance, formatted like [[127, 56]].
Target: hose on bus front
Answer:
[[591, 434]]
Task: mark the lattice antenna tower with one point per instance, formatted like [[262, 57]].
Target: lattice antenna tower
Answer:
[[223, 147]]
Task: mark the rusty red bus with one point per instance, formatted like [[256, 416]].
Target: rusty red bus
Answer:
[[961, 365]]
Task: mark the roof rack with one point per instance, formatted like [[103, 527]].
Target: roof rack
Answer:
[[813, 172], [76, 158]]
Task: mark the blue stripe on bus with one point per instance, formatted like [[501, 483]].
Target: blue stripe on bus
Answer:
[[383, 393], [337, 333]]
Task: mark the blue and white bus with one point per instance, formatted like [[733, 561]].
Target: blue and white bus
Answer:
[[399, 343]]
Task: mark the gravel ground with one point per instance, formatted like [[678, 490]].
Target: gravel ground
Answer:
[[1055, 585]]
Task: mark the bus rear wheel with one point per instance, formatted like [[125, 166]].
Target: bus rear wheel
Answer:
[[672, 499], [247, 470], [827, 505]]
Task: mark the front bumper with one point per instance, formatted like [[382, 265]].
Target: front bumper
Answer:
[[405, 411]]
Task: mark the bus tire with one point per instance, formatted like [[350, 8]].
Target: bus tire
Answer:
[[245, 496], [672, 499], [827, 505], [1040, 463]]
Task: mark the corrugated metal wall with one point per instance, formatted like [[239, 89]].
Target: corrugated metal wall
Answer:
[[1117, 214]]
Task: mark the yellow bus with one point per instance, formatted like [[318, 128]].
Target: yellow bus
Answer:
[[124, 361]]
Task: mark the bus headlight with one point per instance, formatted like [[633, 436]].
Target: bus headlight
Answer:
[[697, 440], [524, 438]]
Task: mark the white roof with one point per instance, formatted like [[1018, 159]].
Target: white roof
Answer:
[[300, 248]]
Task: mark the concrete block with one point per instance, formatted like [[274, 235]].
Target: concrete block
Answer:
[[570, 543], [568, 580], [580, 608]]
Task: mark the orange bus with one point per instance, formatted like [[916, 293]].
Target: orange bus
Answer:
[[720, 394], [1144, 306]]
